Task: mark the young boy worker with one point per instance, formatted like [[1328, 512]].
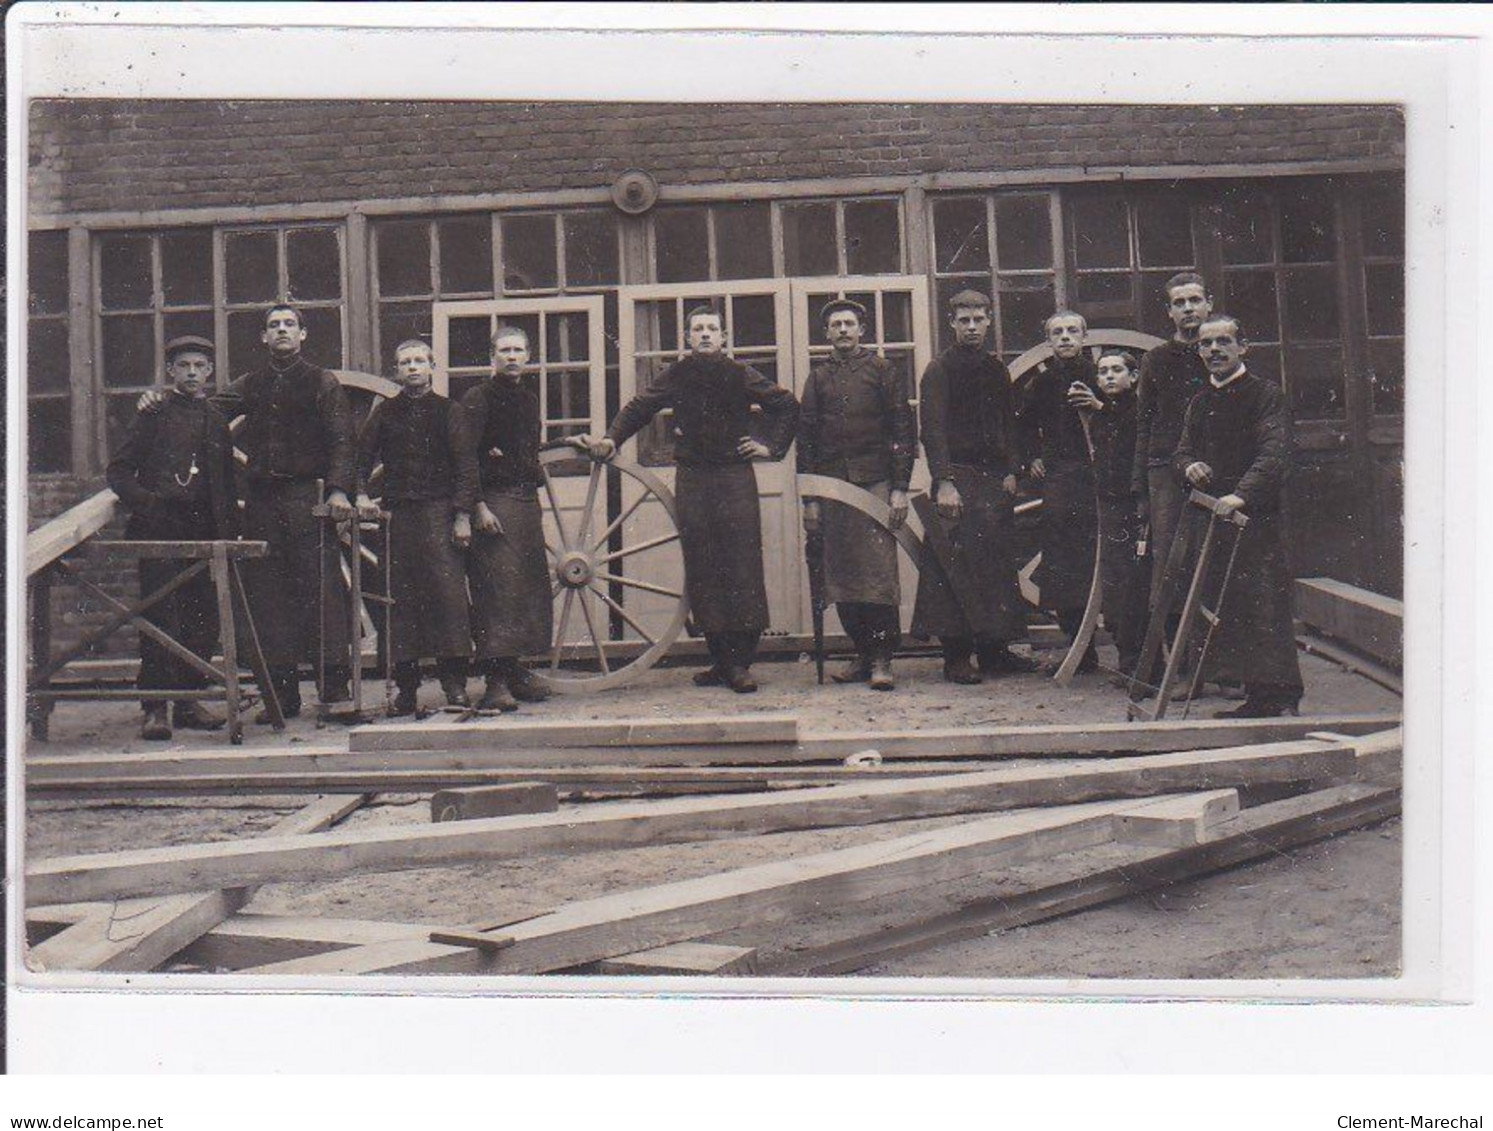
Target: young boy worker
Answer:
[[414, 435], [1236, 444], [720, 523], [175, 474], [1060, 463], [857, 425], [970, 435], [498, 515]]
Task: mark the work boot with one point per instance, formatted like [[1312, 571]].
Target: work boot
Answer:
[[1257, 709], [155, 728], [497, 697], [454, 688], [525, 685], [740, 681], [881, 675], [857, 670], [188, 714], [406, 702], [958, 669], [713, 676], [1000, 660]]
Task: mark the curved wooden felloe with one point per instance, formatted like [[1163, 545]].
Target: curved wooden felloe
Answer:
[[821, 487], [579, 564]]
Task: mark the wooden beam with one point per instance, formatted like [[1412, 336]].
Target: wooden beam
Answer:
[[1367, 621], [251, 939], [494, 801], [501, 734], [68, 530], [1351, 660], [1264, 831], [140, 934], [625, 824], [1176, 822], [626, 922], [684, 958]]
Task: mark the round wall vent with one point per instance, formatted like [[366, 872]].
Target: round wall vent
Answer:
[[634, 192]]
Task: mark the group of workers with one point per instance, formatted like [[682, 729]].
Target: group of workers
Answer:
[[1111, 442]]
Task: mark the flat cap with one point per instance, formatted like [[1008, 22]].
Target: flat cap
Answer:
[[970, 298], [189, 343], [839, 304]]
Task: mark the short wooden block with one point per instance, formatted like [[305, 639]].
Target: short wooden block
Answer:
[[494, 801], [1177, 822], [1370, 622], [684, 958]]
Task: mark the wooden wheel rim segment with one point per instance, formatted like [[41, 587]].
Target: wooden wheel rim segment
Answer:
[[586, 563]]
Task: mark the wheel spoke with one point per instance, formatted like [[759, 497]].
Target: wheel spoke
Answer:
[[646, 585], [621, 518], [560, 631], [580, 538], [550, 550], [623, 613], [601, 653], [554, 503], [652, 543]]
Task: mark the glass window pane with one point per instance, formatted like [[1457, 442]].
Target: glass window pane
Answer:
[[1101, 231], [568, 396], [49, 438], [896, 313], [47, 356], [743, 240], [1310, 303], [753, 321], [1246, 228], [959, 236], [1307, 228], [1250, 297], [1387, 376], [129, 349], [1113, 287], [314, 262], [119, 417], [1163, 230], [809, 239], [683, 255], [187, 267], [176, 323], [1383, 209], [404, 258], [1023, 233], [1264, 361], [873, 237], [246, 350], [466, 255], [469, 341], [250, 259], [1384, 292], [567, 336], [1314, 375], [400, 322], [590, 249], [323, 344], [124, 272], [1022, 315], [46, 272], [529, 254]]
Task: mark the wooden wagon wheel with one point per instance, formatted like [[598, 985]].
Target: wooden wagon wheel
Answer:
[[1033, 361], [590, 558]]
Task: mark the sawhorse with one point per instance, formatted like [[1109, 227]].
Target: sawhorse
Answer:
[[376, 519], [1197, 530], [221, 559]]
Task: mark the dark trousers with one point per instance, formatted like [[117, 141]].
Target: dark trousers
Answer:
[[407, 672], [733, 649], [875, 630], [190, 614]]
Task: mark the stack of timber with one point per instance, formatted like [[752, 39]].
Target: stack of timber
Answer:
[[1361, 630], [1157, 804]]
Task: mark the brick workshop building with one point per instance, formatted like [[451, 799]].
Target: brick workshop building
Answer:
[[391, 220]]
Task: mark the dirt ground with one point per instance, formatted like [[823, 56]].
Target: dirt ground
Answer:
[[1324, 910]]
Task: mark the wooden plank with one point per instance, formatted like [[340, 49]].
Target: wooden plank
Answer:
[[685, 958], [503, 734], [68, 530], [170, 551], [1255, 834], [1368, 621], [1062, 741], [626, 922], [672, 820], [250, 939], [494, 801], [1176, 822], [1347, 658], [140, 934]]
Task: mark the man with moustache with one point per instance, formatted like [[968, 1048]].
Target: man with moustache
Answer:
[[175, 474], [720, 522], [415, 436], [970, 434], [1236, 444], [498, 514], [856, 424]]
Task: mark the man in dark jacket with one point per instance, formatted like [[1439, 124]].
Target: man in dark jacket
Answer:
[[415, 436], [970, 434], [720, 523], [857, 424], [1061, 465], [298, 428], [497, 492], [1236, 444], [175, 474]]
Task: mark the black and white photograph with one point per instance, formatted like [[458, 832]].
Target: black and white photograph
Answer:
[[651, 544]]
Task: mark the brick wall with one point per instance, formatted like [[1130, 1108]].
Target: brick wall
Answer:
[[72, 610], [97, 155]]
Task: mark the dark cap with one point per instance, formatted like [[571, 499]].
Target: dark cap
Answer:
[[842, 304], [189, 343], [969, 298]]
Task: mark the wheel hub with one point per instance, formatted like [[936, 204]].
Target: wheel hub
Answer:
[[575, 569]]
